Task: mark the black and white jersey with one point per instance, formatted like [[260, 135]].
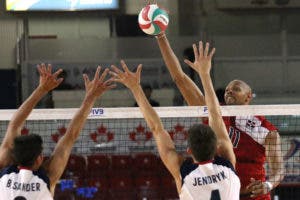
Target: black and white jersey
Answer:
[[212, 180], [24, 184]]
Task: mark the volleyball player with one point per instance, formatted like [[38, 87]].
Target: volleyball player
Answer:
[[211, 175], [23, 176], [252, 132]]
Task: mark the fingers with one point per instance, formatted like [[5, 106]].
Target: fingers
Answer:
[[113, 74], [103, 75], [49, 68], [206, 49], [116, 69], [43, 67], [258, 190], [96, 77], [253, 183], [57, 73], [86, 79], [109, 84], [39, 68], [59, 81], [196, 53], [256, 187], [189, 63], [124, 66], [204, 52], [212, 52], [139, 70], [200, 49]]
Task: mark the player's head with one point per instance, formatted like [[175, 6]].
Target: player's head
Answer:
[[147, 90], [27, 149], [238, 92], [202, 142]]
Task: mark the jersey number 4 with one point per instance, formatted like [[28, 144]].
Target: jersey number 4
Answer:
[[215, 195], [234, 136]]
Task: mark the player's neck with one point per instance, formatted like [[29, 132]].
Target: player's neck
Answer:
[[203, 162], [26, 168]]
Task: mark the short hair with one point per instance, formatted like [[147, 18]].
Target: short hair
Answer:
[[26, 149], [147, 87], [202, 141]]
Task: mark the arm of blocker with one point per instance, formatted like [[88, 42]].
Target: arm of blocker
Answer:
[[202, 65], [48, 81], [166, 147], [60, 156]]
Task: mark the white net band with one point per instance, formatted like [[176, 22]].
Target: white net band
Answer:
[[163, 112]]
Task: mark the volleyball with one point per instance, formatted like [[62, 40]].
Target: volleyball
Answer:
[[153, 20]]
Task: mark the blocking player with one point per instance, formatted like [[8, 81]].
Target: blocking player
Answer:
[[22, 175]]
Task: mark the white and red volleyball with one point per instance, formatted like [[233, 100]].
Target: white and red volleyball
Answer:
[[153, 20]]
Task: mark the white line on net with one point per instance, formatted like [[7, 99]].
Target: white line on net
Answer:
[[163, 112]]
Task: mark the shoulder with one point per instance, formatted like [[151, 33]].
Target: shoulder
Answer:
[[41, 173], [220, 161], [187, 167], [265, 123], [8, 170]]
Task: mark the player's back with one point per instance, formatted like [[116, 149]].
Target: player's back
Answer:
[[22, 183], [214, 180]]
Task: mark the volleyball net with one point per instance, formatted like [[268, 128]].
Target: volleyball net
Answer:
[[116, 150]]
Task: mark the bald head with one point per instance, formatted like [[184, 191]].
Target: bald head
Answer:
[[238, 92]]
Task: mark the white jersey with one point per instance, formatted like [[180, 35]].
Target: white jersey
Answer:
[[24, 184], [212, 180]]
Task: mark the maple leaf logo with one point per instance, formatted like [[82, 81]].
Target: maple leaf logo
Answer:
[[58, 134], [140, 135], [24, 131], [102, 135], [178, 134]]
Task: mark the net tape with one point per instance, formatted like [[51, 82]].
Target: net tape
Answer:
[[163, 112]]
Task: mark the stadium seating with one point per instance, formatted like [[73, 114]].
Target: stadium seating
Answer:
[[97, 165]]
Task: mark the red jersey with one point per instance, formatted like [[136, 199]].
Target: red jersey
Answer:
[[248, 134]]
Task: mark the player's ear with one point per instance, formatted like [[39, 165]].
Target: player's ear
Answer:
[[249, 97], [189, 151], [39, 160]]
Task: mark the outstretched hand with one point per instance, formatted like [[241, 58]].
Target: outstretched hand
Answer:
[[48, 81], [202, 63], [257, 187], [126, 77], [97, 86]]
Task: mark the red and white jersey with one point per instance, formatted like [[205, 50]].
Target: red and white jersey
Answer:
[[248, 134], [209, 180], [21, 183]]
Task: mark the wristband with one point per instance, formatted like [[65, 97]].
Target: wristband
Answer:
[[269, 186]]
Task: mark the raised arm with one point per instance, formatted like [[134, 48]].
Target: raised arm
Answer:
[[58, 160], [274, 158], [275, 162], [47, 82], [191, 93], [202, 65], [165, 145]]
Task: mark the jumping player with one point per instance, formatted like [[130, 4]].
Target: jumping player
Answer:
[[22, 175], [211, 175], [253, 132]]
